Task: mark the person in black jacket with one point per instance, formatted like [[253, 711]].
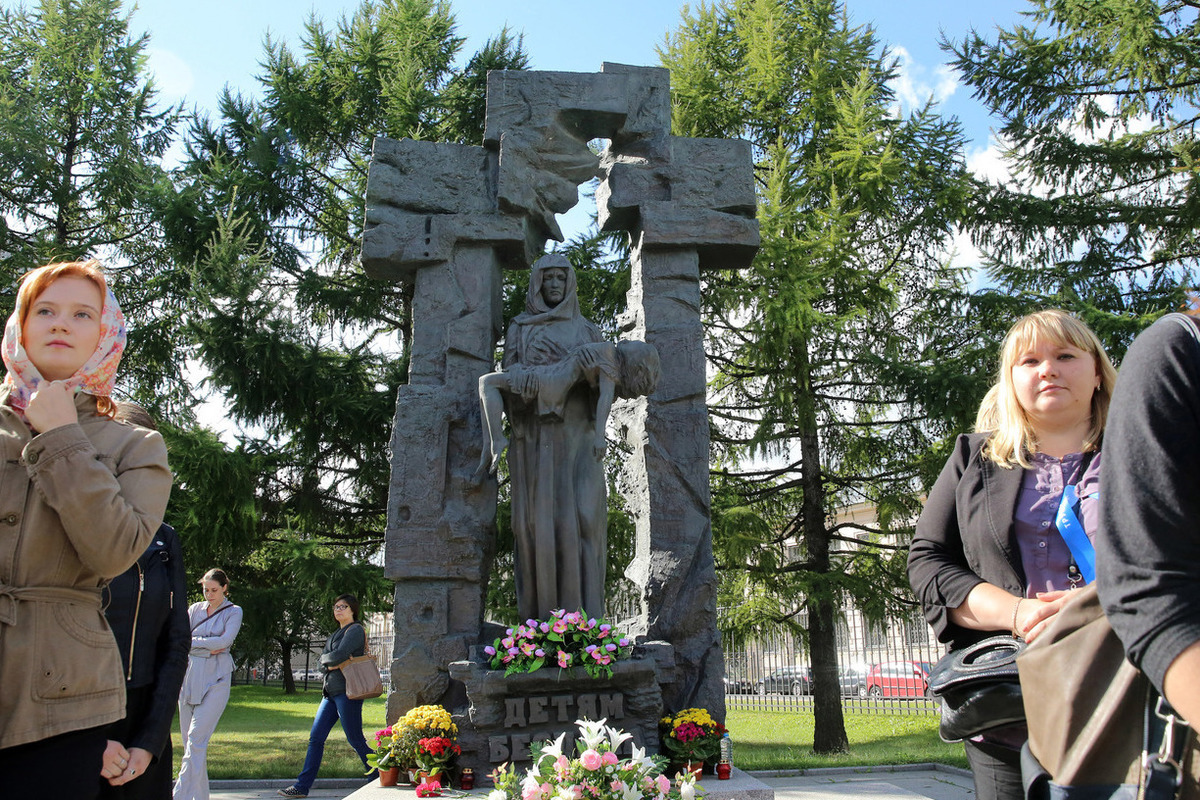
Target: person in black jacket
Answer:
[[989, 555], [146, 606], [350, 639], [146, 610]]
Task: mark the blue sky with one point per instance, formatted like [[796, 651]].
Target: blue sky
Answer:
[[199, 47]]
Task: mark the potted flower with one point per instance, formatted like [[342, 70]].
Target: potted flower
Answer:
[[592, 770], [427, 741], [387, 756], [691, 738], [566, 639], [434, 754]]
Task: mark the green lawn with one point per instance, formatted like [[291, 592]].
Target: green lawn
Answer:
[[263, 734], [783, 740]]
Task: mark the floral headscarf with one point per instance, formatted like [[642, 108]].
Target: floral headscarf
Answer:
[[96, 377]]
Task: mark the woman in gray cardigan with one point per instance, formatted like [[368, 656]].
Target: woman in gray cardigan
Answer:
[[350, 639]]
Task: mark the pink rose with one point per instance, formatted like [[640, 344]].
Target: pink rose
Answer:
[[591, 760], [610, 758], [664, 784]]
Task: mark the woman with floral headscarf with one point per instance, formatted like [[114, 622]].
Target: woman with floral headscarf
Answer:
[[559, 503], [81, 495]]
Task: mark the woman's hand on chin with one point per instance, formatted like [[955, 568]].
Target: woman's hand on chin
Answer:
[[51, 406]]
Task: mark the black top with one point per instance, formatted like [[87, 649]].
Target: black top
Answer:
[[965, 536], [146, 606], [1148, 547], [342, 643]]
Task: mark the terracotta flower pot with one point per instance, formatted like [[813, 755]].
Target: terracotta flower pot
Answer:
[[389, 776]]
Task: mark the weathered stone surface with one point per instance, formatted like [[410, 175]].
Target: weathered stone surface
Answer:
[[723, 241], [449, 218], [673, 561], [708, 175], [506, 714], [431, 177], [541, 123], [622, 102]]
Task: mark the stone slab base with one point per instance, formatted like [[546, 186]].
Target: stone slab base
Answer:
[[740, 786]]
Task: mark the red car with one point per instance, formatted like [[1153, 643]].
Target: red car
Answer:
[[899, 679]]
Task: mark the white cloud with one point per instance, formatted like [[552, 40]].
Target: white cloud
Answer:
[[172, 76], [916, 84], [988, 163]]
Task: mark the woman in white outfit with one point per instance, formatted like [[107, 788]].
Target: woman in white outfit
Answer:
[[215, 623]]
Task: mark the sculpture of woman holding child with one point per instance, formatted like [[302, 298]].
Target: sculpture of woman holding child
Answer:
[[558, 382]]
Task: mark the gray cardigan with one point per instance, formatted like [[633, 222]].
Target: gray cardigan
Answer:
[[1148, 550], [341, 645]]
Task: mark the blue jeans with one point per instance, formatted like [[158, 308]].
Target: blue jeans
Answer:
[[338, 707]]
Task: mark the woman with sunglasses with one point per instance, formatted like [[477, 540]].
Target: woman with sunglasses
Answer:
[[350, 639]]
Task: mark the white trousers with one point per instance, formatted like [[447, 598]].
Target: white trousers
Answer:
[[197, 723]]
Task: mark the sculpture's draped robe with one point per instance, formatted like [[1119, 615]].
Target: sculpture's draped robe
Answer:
[[559, 503]]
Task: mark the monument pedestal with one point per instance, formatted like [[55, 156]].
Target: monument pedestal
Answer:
[[507, 714], [740, 786]]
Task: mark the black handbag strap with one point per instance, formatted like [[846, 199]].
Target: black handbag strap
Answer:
[[1164, 744]]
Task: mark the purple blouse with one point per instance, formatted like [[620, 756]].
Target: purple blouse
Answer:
[[1045, 557], [1044, 554]]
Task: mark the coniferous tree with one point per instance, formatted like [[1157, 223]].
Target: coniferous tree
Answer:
[[303, 349], [833, 356], [81, 143], [1098, 103]]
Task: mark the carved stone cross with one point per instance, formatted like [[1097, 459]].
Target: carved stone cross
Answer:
[[450, 218]]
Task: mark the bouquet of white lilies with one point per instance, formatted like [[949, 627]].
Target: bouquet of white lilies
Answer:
[[593, 772]]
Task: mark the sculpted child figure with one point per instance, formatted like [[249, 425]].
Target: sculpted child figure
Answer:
[[625, 369]]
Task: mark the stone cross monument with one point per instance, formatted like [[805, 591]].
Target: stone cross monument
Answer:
[[449, 219]]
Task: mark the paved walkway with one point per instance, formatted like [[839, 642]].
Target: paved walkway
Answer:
[[916, 782]]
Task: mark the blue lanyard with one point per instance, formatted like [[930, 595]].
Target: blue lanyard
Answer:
[[1072, 532]]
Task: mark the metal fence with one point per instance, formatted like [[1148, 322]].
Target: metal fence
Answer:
[[881, 667]]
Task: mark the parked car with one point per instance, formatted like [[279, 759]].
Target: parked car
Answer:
[[738, 685], [899, 679], [786, 680], [853, 681]]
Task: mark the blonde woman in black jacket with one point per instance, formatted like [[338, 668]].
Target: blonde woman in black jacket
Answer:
[[987, 556]]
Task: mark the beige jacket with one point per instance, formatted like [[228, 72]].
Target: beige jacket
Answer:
[[78, 505]]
